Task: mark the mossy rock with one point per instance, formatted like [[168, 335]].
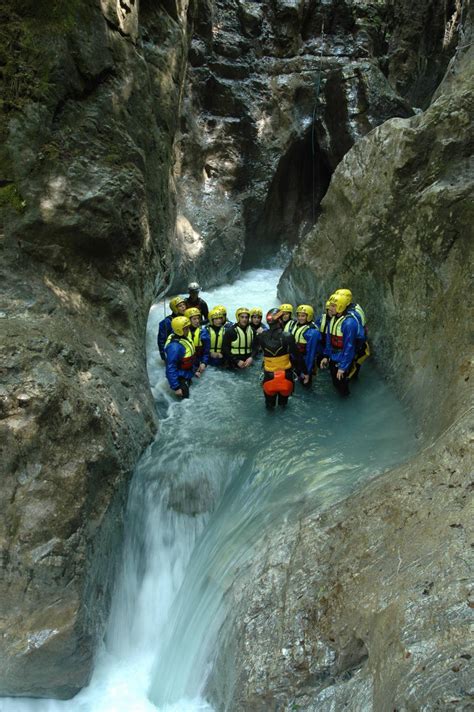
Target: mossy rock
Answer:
[[10, 197]]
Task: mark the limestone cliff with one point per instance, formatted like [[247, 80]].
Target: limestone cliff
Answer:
[[368, 606], [104, 139], [276, 94], [89, 113]]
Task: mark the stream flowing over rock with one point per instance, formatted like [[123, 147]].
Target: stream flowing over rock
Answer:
[[146, 143]]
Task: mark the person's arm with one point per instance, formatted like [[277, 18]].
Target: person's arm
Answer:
[[174, 352], [313, 338], [227, 339], [295, 353], [256, 345], [206, 345], [204, 311], [164, 330]]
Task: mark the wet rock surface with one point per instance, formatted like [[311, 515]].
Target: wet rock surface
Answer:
[[91, 179], [87, 212], [277, 94], [396, 225], [368, 605]]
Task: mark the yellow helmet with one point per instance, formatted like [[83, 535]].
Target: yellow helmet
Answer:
[[174, 303], [221, 308], [179, 323], [242, 310], [256, 311], [306, 309], [340, 301], [328, 303], [286, 308], [216, 313], [192, 311], [345, 293]]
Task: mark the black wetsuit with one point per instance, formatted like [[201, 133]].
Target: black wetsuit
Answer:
[[277, 343], [201, 305], [231, 335]]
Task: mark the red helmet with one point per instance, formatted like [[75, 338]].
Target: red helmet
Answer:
[[273, 316]]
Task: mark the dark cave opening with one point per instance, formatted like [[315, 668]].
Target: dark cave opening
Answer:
[[292, 204]]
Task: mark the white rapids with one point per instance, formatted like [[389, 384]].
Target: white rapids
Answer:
[[221, 472]]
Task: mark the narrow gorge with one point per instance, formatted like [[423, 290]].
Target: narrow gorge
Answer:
[[146, 144]]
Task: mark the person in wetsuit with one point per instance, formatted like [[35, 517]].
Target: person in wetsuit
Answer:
[[256, 316], [340, 348], [216, 331], [289, 324], [180, 356], [238, 344], [194, 300], [362, 344], [178, 307], [277, 346], [199, 336]]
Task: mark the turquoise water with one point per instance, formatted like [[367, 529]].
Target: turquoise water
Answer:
[[221, 473]]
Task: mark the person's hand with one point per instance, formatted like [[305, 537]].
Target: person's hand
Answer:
[[198, 374], [202, 367], [248, 362], [305, 378], [324, 363], [215, 354], [340, 374], [241, 364], [179, 392]]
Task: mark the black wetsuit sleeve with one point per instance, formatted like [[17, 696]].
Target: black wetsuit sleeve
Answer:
[[204, 310], [256, 344], [297, 356], [227, 339]]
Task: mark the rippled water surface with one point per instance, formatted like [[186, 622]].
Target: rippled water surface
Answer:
[[221, 472]]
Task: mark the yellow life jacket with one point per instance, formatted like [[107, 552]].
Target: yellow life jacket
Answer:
[[196, 337], [276, 363], [242, 344], [322, 326], [361, 313], [216, 337], [186, 362], [290, 326], [335, 331]]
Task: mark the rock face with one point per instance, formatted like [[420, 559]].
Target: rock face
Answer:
[[277, 93], [396, 225], [104, 205], [365, 607], [88, 209], [368, 606]]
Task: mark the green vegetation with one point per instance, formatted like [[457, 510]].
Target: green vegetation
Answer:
[[29, 33], [28, 30], [11, 198]]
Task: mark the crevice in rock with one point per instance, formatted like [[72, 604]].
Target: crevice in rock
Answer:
[[89, 86], [292, 203], [116, 28]]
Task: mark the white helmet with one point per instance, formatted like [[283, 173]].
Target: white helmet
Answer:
[[194, 287]]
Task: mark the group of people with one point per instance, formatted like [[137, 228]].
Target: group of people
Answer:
[[294, 344]]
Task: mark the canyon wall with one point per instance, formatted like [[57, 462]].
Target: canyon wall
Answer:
[[144, 144], [276, 94], [368, 606], [89, 113]]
